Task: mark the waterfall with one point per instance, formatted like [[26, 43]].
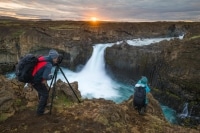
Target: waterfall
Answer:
[[96, 63], [184, 113], [93, 80]]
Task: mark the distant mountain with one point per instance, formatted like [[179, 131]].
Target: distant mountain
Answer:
[[13, 18], [8, 18]]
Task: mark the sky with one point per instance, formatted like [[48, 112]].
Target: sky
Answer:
[[103, 10]]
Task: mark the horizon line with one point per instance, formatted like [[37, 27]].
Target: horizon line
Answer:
[[41, 19]]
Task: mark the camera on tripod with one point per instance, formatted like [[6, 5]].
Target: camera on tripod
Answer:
[[59, 60], [54, 79]]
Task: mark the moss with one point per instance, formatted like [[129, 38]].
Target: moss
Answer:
[[62, 100], [18, 102], [109, 129], [187, 121], [194, 103], [3, 117], [17, 33], [8, 23], [118, 125], [172, 95], [102, 120], [189, 85], [156, 90], [64, 27]]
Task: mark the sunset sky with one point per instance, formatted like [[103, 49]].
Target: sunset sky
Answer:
[[105, 10]]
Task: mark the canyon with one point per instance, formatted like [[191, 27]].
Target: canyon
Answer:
[[172, 67]]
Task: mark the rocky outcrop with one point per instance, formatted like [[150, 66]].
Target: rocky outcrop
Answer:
[[91, 115], [11, 97], [16, 96], [172, 68]]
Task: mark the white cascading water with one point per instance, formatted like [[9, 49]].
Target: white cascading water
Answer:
[[93, 80], [184, 113]]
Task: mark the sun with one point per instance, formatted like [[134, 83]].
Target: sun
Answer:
[[94, 19]]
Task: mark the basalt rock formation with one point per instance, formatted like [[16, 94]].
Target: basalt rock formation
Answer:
[[171, 67]]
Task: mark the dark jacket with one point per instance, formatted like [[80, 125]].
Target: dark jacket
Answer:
[[42, 70]]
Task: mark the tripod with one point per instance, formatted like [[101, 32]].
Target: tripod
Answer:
[[54, 80]]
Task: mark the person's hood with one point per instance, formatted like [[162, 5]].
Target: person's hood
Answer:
[[144, 80]]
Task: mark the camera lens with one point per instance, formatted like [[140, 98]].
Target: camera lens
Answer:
[[60, 58]]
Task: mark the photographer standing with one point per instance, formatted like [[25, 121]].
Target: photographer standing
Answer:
[[42, 73]]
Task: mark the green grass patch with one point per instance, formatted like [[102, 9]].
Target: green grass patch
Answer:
[[156, 90], [3, 117], [17, 33], [8, 23], [18, 102], [172, 95], [62, 100], [4, 21], [61, 103], [64, 27]]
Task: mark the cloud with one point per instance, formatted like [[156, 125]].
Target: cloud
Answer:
[[113, 10]]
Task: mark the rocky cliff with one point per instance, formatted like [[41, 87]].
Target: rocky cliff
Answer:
[[172, 67]]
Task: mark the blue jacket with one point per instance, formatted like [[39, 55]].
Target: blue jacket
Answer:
[[42, 71], [139, 84]]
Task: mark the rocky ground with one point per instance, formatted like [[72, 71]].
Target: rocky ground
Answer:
[[68, 115], [91, 116]]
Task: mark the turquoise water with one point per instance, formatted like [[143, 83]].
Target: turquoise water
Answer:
[[10, 75], [170, 114]]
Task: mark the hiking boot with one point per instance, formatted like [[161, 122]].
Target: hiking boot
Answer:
[[141, 111], [48, 105], [46, 112]]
